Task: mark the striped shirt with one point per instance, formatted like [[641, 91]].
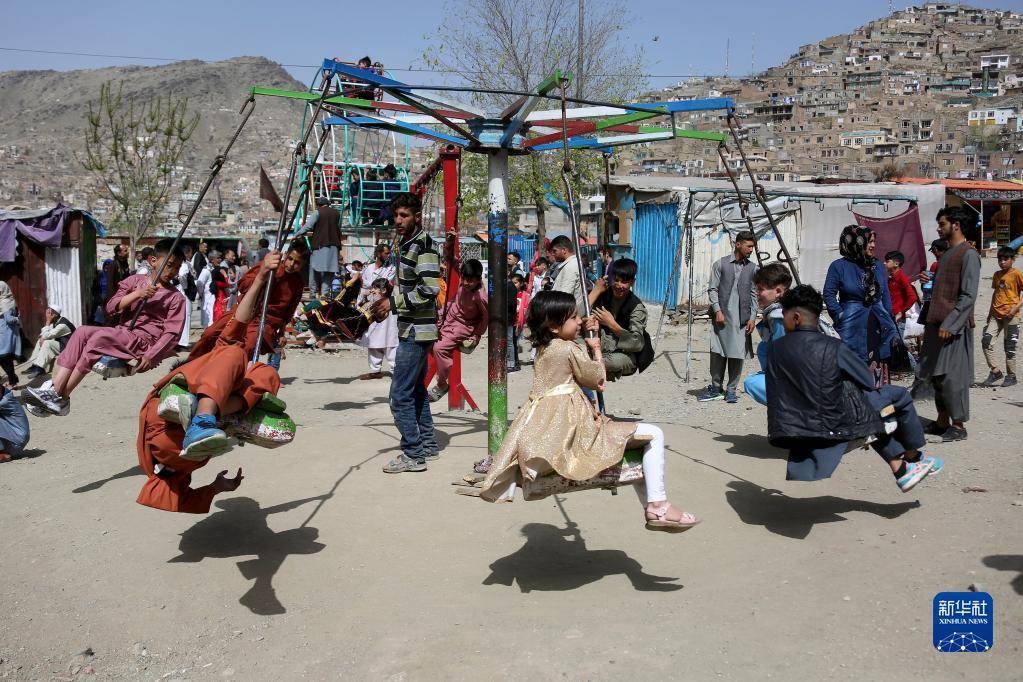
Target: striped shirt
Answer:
[[418, 287]]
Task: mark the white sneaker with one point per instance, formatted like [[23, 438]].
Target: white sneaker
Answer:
[[50, 400]]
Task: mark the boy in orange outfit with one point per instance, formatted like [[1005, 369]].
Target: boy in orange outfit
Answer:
[[174, 442]]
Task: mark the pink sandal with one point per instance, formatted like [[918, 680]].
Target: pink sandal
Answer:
[[657, 519]]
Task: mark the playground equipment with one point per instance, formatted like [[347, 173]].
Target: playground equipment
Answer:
[[520, 129]]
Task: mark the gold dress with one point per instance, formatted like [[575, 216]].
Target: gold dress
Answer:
[[558, 429]]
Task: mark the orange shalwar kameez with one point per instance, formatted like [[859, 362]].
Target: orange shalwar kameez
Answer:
[[219, 374]]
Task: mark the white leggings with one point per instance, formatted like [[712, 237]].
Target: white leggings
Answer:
[[651, 488], [376, 358]]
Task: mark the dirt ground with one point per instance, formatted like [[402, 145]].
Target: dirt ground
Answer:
[[322, 567]]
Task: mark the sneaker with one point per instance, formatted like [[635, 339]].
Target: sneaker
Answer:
[[177, 405], [993, 377], [731, 397], [915, 473], [203, 439], [1010, 380], [402, 464], [937, 464], [48, 399], [953, 434], [712, 393]]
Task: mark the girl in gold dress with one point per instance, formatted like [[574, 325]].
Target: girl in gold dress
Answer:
[[559, 429]]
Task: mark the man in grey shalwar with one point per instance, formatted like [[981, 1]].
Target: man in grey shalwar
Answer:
[[946, 359], [733, 305]]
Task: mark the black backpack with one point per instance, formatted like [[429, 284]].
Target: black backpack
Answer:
[[191, 290]]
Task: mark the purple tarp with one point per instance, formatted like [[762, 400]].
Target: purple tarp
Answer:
[[42, 227]]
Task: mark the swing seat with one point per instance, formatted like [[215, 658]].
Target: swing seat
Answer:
[[111, 368], [263, 425], [626, 472]]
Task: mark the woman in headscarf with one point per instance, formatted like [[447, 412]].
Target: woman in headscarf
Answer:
[[10, 333], [856, 293]]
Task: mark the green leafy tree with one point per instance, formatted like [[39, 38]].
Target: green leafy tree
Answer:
[[513, 45], [131, 149]]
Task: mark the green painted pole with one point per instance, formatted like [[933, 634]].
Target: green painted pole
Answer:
[[497, 282]]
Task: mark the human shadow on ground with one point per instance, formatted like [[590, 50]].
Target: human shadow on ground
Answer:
[[333, 380], [795, 517], [31, 453], [751, 445], [135, 470], [666, 354], [287, 381], [1008, 562], [344, 405], [550, 561], [473, 424], [241, 530]]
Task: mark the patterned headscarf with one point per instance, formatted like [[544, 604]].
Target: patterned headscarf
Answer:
[[853, 246]]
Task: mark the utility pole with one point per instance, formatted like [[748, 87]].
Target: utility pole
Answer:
[[579, 52], [728, 46]]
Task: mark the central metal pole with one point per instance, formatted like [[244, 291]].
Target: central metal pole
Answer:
[[497, 282]]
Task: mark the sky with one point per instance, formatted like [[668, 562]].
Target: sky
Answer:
[[679, 37]]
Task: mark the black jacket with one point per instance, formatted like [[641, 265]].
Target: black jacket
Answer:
[[817, 391]]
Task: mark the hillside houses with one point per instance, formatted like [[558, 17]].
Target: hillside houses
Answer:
[[932, 89]]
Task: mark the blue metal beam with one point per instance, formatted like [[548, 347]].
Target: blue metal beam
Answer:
[[363, 75], [397, 126], [709, 104]]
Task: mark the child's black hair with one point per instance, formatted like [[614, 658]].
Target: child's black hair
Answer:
[[471, 269], [301, 248], [357, 262], [896, 256], [541, 259], [804, 297], [773, 275], [1006, 252], [264, 243], [407, 200], [939, 245], [549, 309], [625, 269], [381, 284], [163, 247]]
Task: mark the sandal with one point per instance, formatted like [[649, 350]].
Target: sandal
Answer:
[[657, 519], [436, 393], [482, 466]]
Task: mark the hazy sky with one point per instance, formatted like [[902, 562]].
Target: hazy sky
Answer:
[[691, 35]]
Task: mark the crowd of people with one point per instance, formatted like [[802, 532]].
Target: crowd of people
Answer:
[[825, 385]]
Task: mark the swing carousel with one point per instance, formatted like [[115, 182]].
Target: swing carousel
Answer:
[[351, 98]]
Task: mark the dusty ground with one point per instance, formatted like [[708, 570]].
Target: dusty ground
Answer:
[[322, 567]]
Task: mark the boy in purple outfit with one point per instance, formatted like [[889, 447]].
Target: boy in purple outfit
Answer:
[[153, 338]]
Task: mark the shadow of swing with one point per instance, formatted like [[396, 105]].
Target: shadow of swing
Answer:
[[556, 559], [795, 517], [134, 470], [241, 530], [1008, 562]]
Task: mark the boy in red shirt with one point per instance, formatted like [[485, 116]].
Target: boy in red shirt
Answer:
[[1003, 317], [902, 290]]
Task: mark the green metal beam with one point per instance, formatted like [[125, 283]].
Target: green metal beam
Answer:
[[625, 119], [552, 81], [313, 96]]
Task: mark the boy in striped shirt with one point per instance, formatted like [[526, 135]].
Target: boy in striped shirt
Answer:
[[415, 302]]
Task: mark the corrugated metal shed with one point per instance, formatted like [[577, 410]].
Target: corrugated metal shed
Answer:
[[655, 235]]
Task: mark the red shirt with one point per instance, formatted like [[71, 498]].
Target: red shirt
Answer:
[[902, 291]]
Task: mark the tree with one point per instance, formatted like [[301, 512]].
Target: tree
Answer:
[[888, 173], [132, 149], [513, 45]]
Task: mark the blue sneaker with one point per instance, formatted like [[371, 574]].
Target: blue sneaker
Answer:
[[203, 439], [712, 393], [937, 463], [731, 397], [915, 472]]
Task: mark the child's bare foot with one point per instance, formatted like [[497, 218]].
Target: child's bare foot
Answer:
[[5, 457], [321, 344], [664, 516]]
